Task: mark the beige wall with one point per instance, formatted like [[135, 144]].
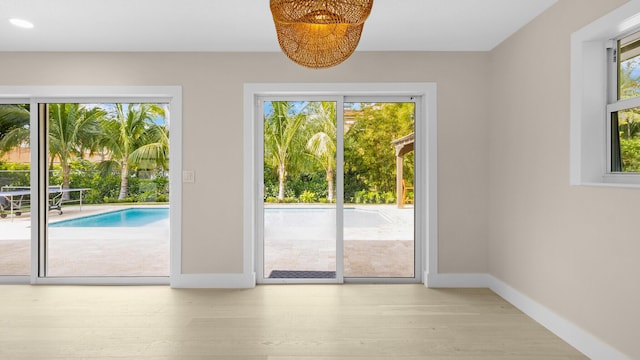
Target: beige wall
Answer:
[[575, 250], [212, 126]]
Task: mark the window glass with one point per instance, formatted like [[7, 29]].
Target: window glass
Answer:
[[629, 66], [15, 193], [108, 188], [625, 144], [625, 119]]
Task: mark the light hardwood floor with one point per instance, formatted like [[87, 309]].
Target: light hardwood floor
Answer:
[[270, 322]]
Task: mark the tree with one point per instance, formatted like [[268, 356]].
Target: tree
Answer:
[[132, 137], [74, 131], [322, 144], [14, 126], [281, 139], [369, 154], [154, 153], [628, 85]]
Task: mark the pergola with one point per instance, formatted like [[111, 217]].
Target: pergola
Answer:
[[403, 146]]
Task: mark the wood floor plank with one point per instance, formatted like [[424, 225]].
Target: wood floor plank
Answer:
[[272, 322]]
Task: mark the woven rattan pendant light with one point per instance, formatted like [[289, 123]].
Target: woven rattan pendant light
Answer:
[[319, 33]]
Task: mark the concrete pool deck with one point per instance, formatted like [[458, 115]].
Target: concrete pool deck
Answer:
[[383, 251], [94, 251]]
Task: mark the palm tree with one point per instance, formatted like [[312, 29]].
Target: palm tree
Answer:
[[14, 126], [132, 138], [322, 145], [154, 153], [74, 130], [281, 130]]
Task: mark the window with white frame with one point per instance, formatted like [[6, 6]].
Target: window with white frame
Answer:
[[623, 108], [605, 100]]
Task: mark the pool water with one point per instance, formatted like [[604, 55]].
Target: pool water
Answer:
[[132, 217]]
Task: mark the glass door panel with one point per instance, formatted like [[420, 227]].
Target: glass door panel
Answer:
[[299, 190], [108, 209], [15, 190], [378, 190]]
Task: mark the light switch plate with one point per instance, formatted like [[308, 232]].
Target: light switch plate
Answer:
[[188, 176]]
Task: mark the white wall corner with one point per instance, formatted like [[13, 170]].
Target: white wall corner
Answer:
[[575, 336], [214, 281]]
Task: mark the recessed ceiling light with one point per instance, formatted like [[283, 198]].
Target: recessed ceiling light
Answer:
[[21, 23]]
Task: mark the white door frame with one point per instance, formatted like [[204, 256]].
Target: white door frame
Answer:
[[426, 154]]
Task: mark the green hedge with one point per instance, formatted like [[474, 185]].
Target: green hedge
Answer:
[[312, 188], [105, 188]]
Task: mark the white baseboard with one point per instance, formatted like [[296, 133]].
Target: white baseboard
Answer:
[[577, 337], [220, 281], [15, 279], [457, 280]]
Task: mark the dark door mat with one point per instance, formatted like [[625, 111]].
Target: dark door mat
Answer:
[[290, 274]]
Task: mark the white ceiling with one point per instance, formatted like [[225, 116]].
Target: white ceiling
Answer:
[[246, 25]]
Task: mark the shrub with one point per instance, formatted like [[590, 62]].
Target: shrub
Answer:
[[14, 174], [105, 188], [389, 197], [373, 197], [307, 196], [92, 196], [147, 196]]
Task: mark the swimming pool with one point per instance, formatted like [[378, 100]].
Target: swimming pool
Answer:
[[131, 217]]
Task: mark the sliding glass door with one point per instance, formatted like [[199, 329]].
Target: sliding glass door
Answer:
[[106, 190], [15, 191], [338, 182], [379, 165], [299, 190], [85, 184]]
